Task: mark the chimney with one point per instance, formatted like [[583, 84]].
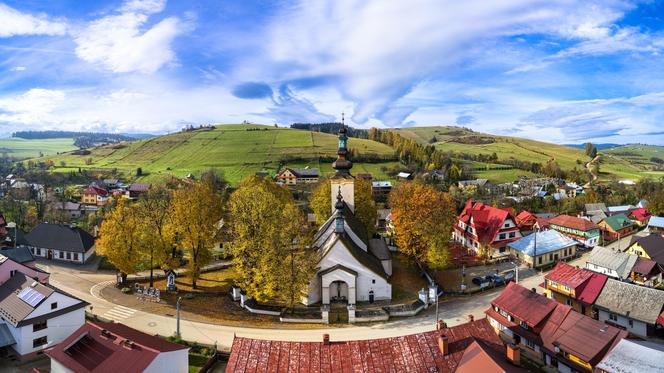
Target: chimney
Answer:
[[326, 339], [443, 345], [533, 290], [471, 318], [513, 354]]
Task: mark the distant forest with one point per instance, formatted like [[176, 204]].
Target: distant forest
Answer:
[[332, 128], [82, 140]]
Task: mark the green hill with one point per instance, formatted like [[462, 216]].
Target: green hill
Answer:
[[238, 150], [23, 148], [462, 140]]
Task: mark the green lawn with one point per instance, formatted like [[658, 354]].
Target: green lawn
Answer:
[[23, 148], [231, 149]]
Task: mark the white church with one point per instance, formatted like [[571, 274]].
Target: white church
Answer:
[[352, 267]]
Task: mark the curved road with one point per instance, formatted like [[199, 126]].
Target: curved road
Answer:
[[86, 284]]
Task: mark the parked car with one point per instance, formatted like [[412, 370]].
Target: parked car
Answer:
[[509, 276], [496, 279], [482, 281]]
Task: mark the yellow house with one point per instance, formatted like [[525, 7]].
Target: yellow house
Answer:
[[649, 247]]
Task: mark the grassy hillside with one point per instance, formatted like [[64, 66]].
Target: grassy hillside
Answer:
[[237, 150], [458, 139], [22, 148]]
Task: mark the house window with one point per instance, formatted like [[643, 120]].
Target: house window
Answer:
[[539, 260], [523, 325], [631, 323], [61, 254], [373, 281], [512, 234], [54, 305], [613, 316], [68, 256], [568, 302], [39, 342], [39, 326], [76, 256], [501, 236], [529, 343], [12, 273]]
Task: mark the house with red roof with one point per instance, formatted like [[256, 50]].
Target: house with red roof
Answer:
[[526, 221], [549, 333], [573, 286], [582, 230], [469, 347], [94, 195], [112, 347], [486, 229], [640, 216]]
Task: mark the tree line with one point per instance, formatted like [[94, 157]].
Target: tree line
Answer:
[[332, 128], [81, 139]]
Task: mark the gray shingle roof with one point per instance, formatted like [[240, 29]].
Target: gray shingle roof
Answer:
[[379, 249], [60, 237], [12, 308], [305, 172], [591, 207], [18, 254], [604, 257], [634, 301], [634, 357]]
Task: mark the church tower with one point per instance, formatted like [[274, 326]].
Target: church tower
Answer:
[[342, 181]]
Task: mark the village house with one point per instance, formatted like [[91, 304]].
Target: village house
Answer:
[[596, 212], [19, 254], [61, 242], [293, 176], [136, 190], [529, 222], [113, 347], [545, 248], [648, 247], [656, 225], [549, 333], [93, 195], [481, 227], [635, 308], [582, 230], [71, 209], [465, 348], [624, 209], [612, 263], [381, 190], [640, 216], [9, 268], [633, 356], [646, 272], [573, 286], [352, 266], [36, 316], [404, 176]]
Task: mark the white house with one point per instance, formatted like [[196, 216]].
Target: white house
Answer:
[[61, 242], [612, 263], [352, 267], [36, 316], [111, 347]]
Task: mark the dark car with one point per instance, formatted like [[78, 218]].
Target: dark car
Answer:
[[482, 281], [497, 280]]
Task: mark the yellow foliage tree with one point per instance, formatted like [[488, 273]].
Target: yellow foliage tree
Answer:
[[320, 202], [365, 207], [158, 229], [423, 220], [120, 238], [196, 212]]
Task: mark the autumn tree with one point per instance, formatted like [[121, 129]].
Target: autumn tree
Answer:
[[196, 212], [120, 238], [423, 220], [158, 229], [269, 240], [591, 150], [365, 207]]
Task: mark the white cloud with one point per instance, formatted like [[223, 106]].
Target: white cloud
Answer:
[[121, 43], [14, 22], [18, 68]]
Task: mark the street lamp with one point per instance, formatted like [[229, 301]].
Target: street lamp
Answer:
[[177, 312], [516, 272]]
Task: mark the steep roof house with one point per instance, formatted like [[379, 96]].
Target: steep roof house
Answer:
[[648, 247], [293, 176], [575, 287], [646, 272], [466, 348], [612, 263], [633, 307], [61, 242], [36, 316], [94, 195], [543, 248], [482, 227], [616, 226], [112, 347], [135, 190], [640, 216], [550, 333], [582, 230]]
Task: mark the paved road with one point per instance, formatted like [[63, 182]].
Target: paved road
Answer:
[[86, 285]]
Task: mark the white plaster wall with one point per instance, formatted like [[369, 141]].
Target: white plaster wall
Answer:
[[59, 328], [347, 192], [170, 362], [598, 269], [44, 308], [330, 230], [639, 327], [59, 368]]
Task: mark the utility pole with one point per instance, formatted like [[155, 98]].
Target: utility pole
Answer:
[[177, 312], [436, 305]]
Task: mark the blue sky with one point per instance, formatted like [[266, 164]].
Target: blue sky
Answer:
[[554, 70]]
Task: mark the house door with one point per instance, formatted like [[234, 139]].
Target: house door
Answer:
[[371, 296], [49, 254]]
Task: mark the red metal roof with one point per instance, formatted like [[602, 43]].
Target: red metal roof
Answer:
[[586, 284], [524, 304], [96, 191], [573, 222], [87, 350], [640, 214], [644, 266], [416, 352], [486, 220]]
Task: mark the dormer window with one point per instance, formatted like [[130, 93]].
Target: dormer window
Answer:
[[523, 325]]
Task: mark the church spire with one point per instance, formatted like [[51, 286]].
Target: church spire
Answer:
[[339, 213], [342, 165]]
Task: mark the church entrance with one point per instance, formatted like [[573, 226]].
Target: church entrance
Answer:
[[338, 313], [338, 292]]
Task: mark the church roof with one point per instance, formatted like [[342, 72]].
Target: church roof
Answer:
[[379, 249], [353, 223], [368, 260]]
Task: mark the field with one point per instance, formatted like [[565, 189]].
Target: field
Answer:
[[23, 149], [235, 150], [455, 139]]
